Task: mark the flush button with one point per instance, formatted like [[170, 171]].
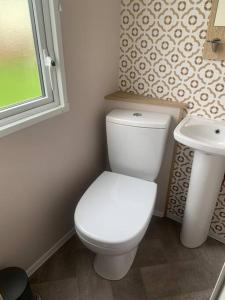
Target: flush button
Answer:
[[137, 115]]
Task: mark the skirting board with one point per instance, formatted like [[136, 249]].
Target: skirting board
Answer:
[[211, 234], [50, 252]]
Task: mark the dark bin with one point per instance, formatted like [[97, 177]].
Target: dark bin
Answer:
[[14, 285]]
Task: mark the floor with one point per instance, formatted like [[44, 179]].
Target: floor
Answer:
[[163, 269]]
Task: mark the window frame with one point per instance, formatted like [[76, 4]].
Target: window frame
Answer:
[[46, 15]]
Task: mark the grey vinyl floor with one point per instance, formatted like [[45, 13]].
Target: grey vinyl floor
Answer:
[[163, 269]]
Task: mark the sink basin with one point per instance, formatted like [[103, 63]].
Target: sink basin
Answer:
[[207, 138], [202, 134]]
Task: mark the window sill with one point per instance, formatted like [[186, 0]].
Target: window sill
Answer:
[[29, 118]]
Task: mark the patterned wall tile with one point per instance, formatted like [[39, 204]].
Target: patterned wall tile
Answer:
[[161, 56]]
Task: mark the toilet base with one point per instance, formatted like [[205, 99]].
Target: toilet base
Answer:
[[114, 267]]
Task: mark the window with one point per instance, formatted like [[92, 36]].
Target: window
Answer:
[[32, 82]]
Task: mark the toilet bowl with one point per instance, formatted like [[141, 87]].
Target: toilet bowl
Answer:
[[114, 213], [111, 219]]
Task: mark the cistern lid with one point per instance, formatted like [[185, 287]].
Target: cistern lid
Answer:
[[137, 118]]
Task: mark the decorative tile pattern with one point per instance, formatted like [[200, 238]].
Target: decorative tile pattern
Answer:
[[161, 56]]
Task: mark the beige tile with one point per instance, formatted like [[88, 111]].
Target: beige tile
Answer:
[[61, 265], [175, 279], [150, 252], [202, 295], [60, 290], [175, 251], [129, 288], [168, 232], [161, 228], [213, 252], [90, 285]]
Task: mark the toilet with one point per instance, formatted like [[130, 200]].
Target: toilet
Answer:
[[114, 213]]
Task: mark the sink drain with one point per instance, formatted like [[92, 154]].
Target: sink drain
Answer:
[[137, 114], [217, 131]]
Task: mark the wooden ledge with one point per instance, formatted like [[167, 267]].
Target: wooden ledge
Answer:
[[131, 97]]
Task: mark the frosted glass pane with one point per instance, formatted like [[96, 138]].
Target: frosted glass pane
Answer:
[[19, 74]]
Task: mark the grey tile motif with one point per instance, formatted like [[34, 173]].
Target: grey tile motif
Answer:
[[61, 290], [174, 277], [161, 56]]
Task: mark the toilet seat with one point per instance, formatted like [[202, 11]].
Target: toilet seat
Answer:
[[115, 211]]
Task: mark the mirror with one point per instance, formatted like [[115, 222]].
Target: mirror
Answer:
[[214, 46], [220, 14]]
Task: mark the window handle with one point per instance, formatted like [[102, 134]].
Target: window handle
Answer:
[[49, 63]]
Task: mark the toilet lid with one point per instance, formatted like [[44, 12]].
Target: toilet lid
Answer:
[[115, 208]]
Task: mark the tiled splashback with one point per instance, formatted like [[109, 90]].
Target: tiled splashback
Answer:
[[161, 56]]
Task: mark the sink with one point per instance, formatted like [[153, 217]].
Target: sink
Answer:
[[202, 134], [207, 139]]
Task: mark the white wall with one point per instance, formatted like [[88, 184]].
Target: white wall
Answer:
[[45, 168]]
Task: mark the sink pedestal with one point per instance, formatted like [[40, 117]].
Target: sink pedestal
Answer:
[[206, 178]]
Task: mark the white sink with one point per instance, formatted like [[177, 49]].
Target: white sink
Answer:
[[207, 138], [202, 134]]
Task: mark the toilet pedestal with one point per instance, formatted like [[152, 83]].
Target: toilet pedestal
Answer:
[[114, 267], [206, 177]]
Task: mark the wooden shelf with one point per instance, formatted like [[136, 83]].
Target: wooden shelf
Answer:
[[130, 97]]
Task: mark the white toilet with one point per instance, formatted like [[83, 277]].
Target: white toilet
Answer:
[[114, 213]]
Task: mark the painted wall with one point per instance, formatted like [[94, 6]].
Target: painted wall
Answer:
[[45, 168], [161, 56]]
